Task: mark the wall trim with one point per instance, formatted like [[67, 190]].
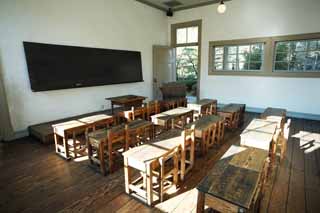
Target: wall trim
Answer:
[[292, 114]]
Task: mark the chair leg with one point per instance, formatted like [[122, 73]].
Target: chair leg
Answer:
[[101, 159], [110, 157]]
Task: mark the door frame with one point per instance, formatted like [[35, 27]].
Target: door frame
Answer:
[[174, 45]]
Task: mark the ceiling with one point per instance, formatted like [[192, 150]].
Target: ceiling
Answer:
[[176, 5]]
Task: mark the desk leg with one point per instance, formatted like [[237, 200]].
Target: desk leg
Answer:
[[127, 175], [56, 142], [65, 146], [149, 185], [74, 145], [183, 163], [111, 108], [200, 202]]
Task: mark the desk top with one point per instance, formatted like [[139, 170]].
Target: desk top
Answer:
[[204, 122], [230, 108], [170, 114], [126, 98], [274, 112], [95, 118], [69, 125], [259, 134], [235, 176], [158, 147]]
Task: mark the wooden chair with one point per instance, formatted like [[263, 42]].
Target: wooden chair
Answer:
[[153, 107], [142, 132], [282, 143], [187, 146], [105, 142], [133, 114], [167, 170]]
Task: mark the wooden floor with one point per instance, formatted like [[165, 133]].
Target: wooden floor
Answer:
[[34, 179]]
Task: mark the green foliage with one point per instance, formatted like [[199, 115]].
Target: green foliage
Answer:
[[187, 63]]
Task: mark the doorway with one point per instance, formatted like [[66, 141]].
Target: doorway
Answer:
[[186, 40]]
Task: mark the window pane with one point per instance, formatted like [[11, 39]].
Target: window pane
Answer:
[[296, 66], [218, 58], [218, 66], [181, 35], [244, 49], [281, 66], [192, 34], [231, 50], [232, 58], [282, 47], [255, 66], [256, 48], [299, 46], [313, 45], [257, 57], [298, 57], [282, 57], [243, 57], [219, 50], [243, 66], [187, 63], [230, 66]]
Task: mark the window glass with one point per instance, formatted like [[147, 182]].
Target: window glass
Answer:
[[181, 35], [297, 56], [192, 36], [247, 57]]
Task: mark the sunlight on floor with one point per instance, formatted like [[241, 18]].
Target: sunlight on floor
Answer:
[[309, 141]]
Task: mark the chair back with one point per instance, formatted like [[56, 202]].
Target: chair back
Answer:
[[153, 107]]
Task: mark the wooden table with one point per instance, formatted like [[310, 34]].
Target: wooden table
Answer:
[[235, 182], [201, 127], [275, 114], [259, 134], [74, 127], [166, 118], [203, 103], [231, 113], [144, 158], [126, 101]]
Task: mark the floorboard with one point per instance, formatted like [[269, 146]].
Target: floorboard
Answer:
[[34, 179]]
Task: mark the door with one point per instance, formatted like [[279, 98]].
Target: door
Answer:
[[163, 68]]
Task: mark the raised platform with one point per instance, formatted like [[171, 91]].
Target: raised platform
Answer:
[[44, 131]]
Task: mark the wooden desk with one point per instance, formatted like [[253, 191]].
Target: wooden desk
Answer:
[[235, 182], [167, 118], [203, 103], [275, 114], [126, 101], [144, 158], [74, 127], [231, 113], [136, 131], [259, 134], [201, 127]]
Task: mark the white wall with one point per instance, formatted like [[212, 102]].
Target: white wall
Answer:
[[115, 24], [257, 18]]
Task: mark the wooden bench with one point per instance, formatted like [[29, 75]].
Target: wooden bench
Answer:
[[235, 184], [146, 159]]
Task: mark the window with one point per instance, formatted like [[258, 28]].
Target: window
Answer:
[[297, 56], [282, 56], [186, 39], [187, 35], [247, 57]]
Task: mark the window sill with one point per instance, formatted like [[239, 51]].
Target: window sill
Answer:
[[267, 74]]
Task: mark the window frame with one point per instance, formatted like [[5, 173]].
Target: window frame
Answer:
[[174, 44], [269, 52]]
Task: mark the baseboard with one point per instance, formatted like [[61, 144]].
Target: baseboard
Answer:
[[307, 116], [17, 135]]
